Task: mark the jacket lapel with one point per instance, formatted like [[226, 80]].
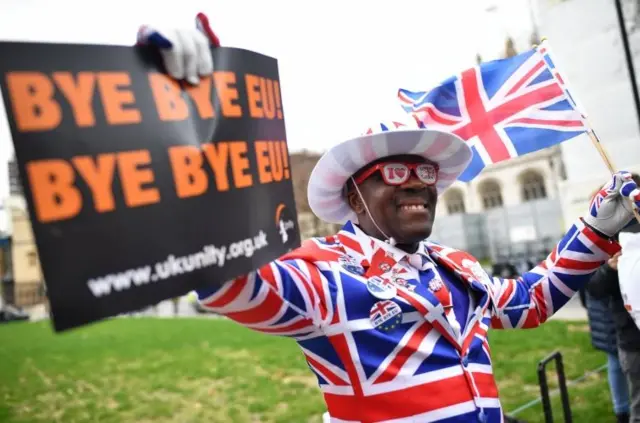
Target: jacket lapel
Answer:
[[468, 271], [356, 244]]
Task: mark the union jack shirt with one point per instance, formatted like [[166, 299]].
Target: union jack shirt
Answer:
[[418, 367]]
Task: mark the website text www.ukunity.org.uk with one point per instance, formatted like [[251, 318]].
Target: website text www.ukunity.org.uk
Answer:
[[208, 256]]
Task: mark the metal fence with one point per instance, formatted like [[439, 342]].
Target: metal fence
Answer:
[[527, 230], [23, 294]]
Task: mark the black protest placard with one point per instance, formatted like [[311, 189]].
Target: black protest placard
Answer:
[[141, 188]]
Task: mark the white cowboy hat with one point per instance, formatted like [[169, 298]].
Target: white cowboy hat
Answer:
[[325, 192]]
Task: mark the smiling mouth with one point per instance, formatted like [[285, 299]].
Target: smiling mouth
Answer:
[[413, 207]]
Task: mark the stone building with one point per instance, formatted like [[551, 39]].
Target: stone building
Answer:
[[512, 209], [23, 282]]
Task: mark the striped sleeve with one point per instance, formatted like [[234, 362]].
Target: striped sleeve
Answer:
[[284, 297], [531, 299]]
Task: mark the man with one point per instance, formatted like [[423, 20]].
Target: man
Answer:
[[395, 327], [605, 285]]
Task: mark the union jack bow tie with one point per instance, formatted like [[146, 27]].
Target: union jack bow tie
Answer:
[[420, 262]]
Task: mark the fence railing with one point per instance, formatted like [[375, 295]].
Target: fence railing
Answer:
[[26, 294], [562, 384]]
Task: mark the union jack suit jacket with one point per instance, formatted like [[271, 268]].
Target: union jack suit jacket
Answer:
[[420, 370]]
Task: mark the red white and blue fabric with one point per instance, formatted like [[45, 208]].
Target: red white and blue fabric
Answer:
[[607, 190], [327, 181], [545, 49], [630, 189], [503, 109], [622, 185], [152, 36], [627, 188], [420, 370], [185, 52]]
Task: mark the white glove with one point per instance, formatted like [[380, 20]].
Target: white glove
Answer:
[[610, 210], [186, 52]]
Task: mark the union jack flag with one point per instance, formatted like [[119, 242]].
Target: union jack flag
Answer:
[[503, 108], [545, 50]]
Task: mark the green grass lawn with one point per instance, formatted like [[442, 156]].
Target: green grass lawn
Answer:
[[212, 370]]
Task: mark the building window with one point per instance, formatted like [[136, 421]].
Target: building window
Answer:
[[454, 200], [532, 185], [491, 195], [32, 258]]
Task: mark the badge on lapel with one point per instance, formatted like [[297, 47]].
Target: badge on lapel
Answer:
[[385, 315], [381, 288], [435, 285], [404, 283], [351, 265], [384, 267]]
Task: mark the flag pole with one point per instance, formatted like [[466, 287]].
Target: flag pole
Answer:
[[603, 153], [607, 161], [593, 136]]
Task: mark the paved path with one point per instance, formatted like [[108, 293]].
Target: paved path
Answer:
[[573, 310], [164, 309]]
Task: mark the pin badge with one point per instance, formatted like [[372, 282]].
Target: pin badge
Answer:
[[435, 285], [350, 265], [404, 283], [384, 267], [401, 282], [385, 315], [381, 288]]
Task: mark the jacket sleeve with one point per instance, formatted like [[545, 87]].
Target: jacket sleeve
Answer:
[[286, 297], [531, 299], [604, 282]]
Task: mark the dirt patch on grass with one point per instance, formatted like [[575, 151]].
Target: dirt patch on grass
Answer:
[[307, 380], [578, 328]]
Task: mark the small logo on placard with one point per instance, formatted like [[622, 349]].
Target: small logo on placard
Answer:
[[283, 224]]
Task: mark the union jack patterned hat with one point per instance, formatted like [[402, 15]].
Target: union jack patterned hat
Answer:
[[326, 185]]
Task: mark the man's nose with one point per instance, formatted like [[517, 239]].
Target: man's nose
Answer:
[[413, 183]]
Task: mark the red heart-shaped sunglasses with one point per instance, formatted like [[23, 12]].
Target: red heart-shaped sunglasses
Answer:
[[398, 173]]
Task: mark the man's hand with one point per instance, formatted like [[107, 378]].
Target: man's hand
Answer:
[[610, 209], [613, 261], [186, 52]]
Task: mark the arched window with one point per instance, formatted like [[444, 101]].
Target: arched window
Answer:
[[532, 186], [491, 194], [454, 200]]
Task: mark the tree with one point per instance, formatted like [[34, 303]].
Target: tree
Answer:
[[302, 164], [534, 40], [509, 48]]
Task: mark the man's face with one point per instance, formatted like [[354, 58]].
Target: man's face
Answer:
[[405, 211]]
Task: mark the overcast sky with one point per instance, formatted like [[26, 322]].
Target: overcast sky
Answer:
[[340, 62]]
